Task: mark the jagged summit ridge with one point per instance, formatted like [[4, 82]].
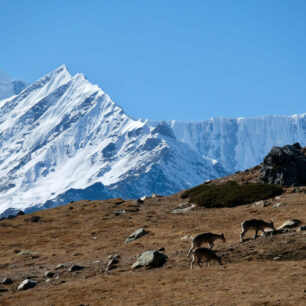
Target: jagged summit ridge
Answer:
[[62, 135]]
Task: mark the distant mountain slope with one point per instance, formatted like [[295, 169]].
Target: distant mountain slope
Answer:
[[62, 136], [9, 87], [239, 143]]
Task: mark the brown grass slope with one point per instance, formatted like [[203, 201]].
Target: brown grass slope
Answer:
[[86, 233]]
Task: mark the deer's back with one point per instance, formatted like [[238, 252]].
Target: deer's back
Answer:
[[205, 237], [255, 224]]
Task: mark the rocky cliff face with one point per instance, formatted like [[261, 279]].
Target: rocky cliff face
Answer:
[[285, 166]]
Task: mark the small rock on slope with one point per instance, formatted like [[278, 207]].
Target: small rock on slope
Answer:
[[75, 268], [150, 258], [290, 224], [27, 284], [7, 281], [137, 234]]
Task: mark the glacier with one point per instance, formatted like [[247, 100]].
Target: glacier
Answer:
[[63, 139]]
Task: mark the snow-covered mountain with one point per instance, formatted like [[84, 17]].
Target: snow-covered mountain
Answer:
[[64, 139], [9, 87], [240, 143]]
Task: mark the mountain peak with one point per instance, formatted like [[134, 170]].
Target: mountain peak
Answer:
[[61, 70], [62, 67]]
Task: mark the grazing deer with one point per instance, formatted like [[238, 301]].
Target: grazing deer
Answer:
[[204, 252], [209, 238], [255, 224]]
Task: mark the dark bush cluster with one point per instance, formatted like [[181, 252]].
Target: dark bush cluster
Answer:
[[230, 194]]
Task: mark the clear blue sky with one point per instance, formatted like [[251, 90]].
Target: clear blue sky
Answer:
[[167, 59]]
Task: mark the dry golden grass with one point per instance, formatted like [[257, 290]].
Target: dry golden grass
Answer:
[[85, 232]]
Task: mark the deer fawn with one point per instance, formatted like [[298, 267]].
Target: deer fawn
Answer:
[[204, 252]]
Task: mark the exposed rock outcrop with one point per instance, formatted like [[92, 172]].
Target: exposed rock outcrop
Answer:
[[49, 274], [278, 205], [137, 234], [285, 166], [27, 252], [290, 224], [112, 264], [75, 268], [261, 203], [302, 228], [27, 284], [61, 266], [7, 281], [183, 207], [151, 258]]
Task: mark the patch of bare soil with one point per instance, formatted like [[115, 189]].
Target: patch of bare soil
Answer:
[[87, 232]]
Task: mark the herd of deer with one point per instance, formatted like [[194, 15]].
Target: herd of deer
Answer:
[[198, 252]]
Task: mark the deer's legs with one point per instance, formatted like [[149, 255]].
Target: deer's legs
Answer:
[[255, 236], [190, 250], [192, 261], [242, 234]]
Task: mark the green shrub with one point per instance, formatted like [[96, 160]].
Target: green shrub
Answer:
[[230, 194]]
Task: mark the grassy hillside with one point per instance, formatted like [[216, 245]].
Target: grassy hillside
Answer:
[[87, 232]]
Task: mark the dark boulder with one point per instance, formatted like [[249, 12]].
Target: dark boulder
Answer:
[[35, 219], [49, 274], [7, 281], [290, 224], [285, 166], [75, 268], [112, 264], [27, 284]]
